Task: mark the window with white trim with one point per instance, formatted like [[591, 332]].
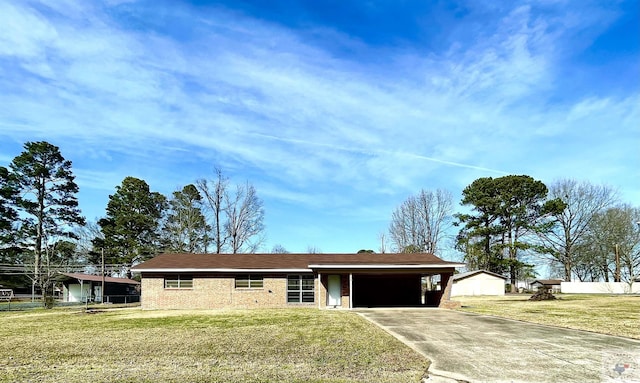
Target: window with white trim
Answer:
[[249, 281], [300, 288], [178, 282]]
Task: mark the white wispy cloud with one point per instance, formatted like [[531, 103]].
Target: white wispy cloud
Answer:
[[246, 91]]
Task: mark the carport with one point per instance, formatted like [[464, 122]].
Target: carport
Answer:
[[382, 280], [79, 287], [390, 290]]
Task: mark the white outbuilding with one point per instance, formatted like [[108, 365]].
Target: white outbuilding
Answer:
[[478, 282]]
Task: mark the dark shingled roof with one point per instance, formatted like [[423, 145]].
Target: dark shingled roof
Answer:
[[286, 261], [547, 282], [98, 278]]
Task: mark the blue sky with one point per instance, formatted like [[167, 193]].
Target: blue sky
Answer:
[[336, 111]]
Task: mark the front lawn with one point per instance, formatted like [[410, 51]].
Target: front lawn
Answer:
[[606, 314], [130, 345]]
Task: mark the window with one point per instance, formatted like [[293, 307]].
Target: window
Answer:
[[300, 288], [249, 281], [178, 282]]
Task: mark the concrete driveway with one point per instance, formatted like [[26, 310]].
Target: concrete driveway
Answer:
[[476, 348]]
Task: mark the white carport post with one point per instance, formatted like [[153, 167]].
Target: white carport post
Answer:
[[350, 290], [319, 289]]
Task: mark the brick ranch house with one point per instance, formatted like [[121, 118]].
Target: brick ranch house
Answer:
[[213, 281]]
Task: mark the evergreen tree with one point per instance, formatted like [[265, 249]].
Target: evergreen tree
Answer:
[[185, 229], [8, 214], [131, 228], [477, 237], [9, 252], [47, 199], [508, 210]]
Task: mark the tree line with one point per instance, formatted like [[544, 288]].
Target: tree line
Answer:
[[511, 225], [42, 228], [516, 223]]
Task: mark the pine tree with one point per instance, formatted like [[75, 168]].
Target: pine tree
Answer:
[[8, 214], [131, 228], [47, 199], [507, 211], [185, 229]]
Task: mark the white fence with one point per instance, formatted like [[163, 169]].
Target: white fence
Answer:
[[599, 288]]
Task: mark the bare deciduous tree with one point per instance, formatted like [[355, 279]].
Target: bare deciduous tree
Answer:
[[214, 192], [237, 217], [245, 217], [418, 223], [382, 237], [583, 201], [611, 246], [279, 249], [312, 249], [84, 242]]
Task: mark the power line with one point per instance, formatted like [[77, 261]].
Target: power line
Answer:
[[12, 269]]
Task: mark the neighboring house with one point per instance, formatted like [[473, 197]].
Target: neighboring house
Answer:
[[478, 282], [211, 281], [552, 284], [522, 285], [82, 287]]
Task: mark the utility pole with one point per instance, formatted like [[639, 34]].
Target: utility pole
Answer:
[[102, 291], [617, 274]]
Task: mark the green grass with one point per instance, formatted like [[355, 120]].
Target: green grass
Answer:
[[130, 345], [606, 314]]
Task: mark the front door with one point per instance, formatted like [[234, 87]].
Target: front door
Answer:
[[334, 291]]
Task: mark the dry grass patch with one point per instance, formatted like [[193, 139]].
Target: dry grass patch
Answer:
[[130, 345], [606, 314]]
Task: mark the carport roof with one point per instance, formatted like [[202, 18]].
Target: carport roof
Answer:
[[289, 262], [96, 278]]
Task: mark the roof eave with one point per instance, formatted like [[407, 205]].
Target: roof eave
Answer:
[[218, 270], [385, 266]]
